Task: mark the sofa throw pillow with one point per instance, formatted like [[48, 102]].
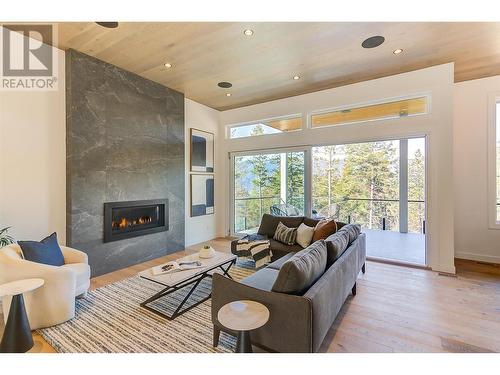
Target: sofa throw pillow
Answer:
[[269, 223], [336, 244], [285, 235], [47, 251], [302, 270], [323, 229], [353, 230], [304, 235]]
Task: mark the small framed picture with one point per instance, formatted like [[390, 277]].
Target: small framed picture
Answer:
[[202, 151], [202, 194]]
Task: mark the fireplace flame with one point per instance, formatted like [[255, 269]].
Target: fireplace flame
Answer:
[[124, 223]]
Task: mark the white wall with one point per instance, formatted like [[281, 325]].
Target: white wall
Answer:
[[33, 161], [437, 126], [203, 228], [473, 237]]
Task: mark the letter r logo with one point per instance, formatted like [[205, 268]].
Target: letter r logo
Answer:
[[27, 50]]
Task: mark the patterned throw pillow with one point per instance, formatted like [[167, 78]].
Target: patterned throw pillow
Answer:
[[285, 235]]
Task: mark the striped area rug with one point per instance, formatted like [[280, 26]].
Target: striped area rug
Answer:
[[110, 320]]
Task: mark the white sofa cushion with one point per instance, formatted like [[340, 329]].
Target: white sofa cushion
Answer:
[[304, 235]]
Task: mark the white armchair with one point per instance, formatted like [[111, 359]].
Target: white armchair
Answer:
[[53, 303]]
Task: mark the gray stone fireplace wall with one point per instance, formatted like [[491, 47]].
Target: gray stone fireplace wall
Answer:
[[125, 141]]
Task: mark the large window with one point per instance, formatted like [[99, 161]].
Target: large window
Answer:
[[270, 182], [416, 185], [394, 109], [273, 126], [358, 183], [379, 185]]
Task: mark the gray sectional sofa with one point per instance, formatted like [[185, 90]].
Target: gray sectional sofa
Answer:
[[267, 228], [299, 318]]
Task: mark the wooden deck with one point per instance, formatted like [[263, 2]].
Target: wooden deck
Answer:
[[385, 244]]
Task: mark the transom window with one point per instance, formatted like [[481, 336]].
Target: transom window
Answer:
[[272, 126], [394, 109]]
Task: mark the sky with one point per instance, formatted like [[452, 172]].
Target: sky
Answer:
[[245, 130]]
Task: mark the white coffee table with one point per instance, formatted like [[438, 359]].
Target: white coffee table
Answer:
[[172, 282], [17, 336]]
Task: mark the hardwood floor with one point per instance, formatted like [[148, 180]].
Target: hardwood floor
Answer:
[[396, 309]]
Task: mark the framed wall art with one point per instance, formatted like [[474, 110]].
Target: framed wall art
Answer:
[[202, 194], [202, 151]]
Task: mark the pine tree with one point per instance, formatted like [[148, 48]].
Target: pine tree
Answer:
[[295, 180], [370, 172], [416, 192], [265, 176], [241, 193], [326, 174]]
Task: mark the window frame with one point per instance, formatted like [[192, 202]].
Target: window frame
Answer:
[[493, 100], [426, 95], [260, 121]]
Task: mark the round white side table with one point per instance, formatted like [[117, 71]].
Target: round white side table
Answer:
[[243, 317], [17, 336]]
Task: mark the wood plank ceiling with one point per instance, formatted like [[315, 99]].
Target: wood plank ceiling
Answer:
[[261, 66]]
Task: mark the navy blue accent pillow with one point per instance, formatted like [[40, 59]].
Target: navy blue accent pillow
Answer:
[[47, 251]]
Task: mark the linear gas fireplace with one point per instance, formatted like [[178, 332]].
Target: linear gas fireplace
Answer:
[[134, 218]]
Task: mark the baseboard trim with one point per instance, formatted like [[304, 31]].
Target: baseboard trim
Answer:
[[397, 263], [478, 257]]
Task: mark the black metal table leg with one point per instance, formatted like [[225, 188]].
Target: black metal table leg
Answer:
[[243, 342], [170, 290], [225, 272], [196, 279], [17, 336], [176, 312]]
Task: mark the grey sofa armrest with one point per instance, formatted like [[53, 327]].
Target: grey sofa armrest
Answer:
[[290, 322]]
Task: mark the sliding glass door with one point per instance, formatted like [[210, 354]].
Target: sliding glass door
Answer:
[[266, 182], [416, 185], [379, 185], [358, 183]]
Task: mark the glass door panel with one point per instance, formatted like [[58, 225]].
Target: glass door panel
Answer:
[[267, 182], [358, 183], [416, 185], [379, 185]]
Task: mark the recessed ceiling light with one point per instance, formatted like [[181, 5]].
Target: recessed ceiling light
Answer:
[[228, 94], [373, 41], [296, 77], [397, 51], [168, 65], [248, 32], [225, 85], [108, 25]]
